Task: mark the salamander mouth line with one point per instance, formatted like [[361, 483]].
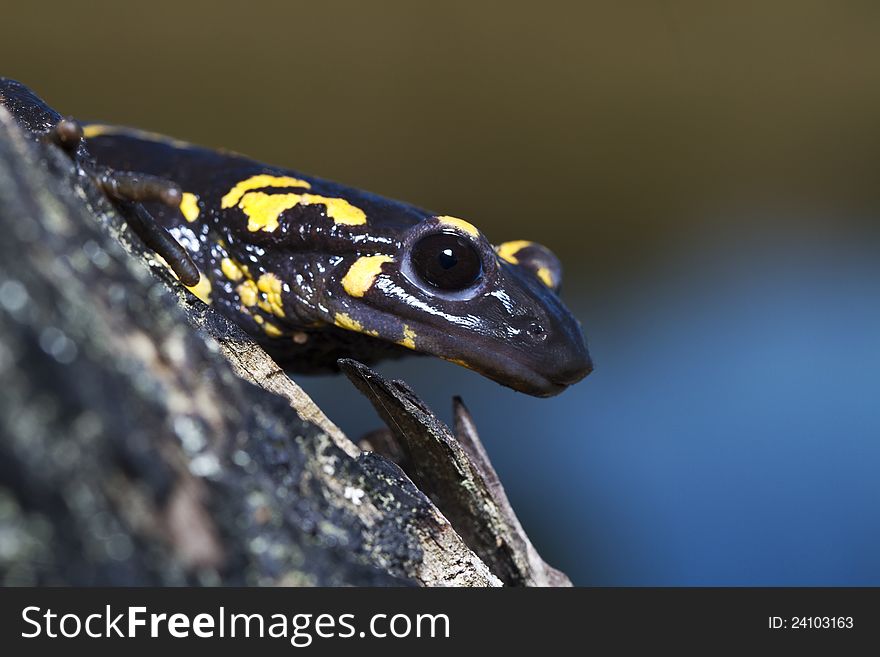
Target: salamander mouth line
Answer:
[[501, 367]]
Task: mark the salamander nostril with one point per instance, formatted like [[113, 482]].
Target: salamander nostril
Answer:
[[536, 331]]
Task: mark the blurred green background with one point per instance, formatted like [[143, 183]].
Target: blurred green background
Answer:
[[605, 129], [707, 173]]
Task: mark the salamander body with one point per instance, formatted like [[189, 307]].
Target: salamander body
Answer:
[[317, 271]]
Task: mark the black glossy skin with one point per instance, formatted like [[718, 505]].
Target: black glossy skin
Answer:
[[510, 325]]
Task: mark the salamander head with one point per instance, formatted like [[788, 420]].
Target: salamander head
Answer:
[[444, 290]]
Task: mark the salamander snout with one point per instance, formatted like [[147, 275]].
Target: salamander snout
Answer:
[[572, 368], [559, 358]]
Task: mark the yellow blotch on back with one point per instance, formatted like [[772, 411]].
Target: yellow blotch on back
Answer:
[[466, 226], [97, 129], [234, 195], [189, 207], [362, 274], [508, 250], [409, 338], [270, 285], [264, 210], [93, 130], [338, 209]]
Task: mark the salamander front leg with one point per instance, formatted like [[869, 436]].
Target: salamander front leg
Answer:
[[138, 187], [128, 190], [158, 239]]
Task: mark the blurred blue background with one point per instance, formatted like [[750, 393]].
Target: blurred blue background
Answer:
[[708, 174]]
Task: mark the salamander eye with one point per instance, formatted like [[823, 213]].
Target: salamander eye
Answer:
[[446, 261]]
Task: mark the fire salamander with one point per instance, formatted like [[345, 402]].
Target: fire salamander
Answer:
[[317, 271]]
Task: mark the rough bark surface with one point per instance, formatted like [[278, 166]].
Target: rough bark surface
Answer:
[[146, 440]]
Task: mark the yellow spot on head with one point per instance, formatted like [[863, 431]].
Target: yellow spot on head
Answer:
[[545, 276], [271, 330], [202, 289], [231, 269], [461, 224], [270, 285], [189, 206], [248, 294], [508, 250], [362, 274], [234, 195], [409, 338]]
